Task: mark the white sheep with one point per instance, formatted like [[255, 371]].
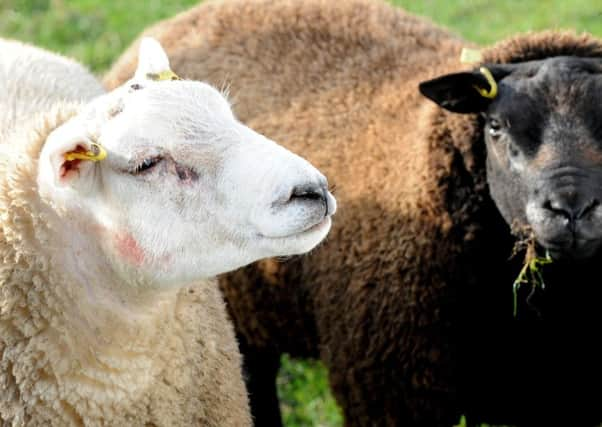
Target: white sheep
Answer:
[[108, 313], [33, 80]]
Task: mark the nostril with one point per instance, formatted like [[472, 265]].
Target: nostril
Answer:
[[571, 211], [588, 207], [308, 192], [557, 208]]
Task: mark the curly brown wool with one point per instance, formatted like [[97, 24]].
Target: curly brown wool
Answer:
[[409, 301]]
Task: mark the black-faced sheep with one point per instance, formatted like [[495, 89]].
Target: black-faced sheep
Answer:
[[114, 216], [409, 302]]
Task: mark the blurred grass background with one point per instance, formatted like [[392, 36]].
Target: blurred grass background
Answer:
[[96, 32]]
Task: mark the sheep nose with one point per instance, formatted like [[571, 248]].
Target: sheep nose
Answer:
[[570, 205], [315, 193]]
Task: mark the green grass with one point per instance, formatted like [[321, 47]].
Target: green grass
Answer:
[[92, 31], [304, 395], [96, 32], [486, 21]]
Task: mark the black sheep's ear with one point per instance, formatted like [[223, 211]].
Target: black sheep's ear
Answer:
[[467, 92]]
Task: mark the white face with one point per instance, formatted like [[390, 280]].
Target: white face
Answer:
[[186, 191]]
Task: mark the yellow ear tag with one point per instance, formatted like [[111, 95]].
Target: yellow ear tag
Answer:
[[470, 56], [97, 154], [163, 75], [492, 92]]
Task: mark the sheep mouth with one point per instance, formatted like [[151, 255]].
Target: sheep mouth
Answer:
[[566, 242], [572, 248], [318, 226], [310, 228]]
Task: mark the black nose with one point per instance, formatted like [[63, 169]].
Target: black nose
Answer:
[[570, 204], [309, 192]]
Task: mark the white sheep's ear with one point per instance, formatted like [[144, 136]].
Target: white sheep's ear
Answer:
[[152, 62], [69, 157]]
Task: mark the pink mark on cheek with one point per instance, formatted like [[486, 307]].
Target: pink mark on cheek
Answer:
[[129, 249], [165, 260]]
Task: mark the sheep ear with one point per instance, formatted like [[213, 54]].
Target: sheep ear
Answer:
[[152, 61], [69, 158], [467, 92]]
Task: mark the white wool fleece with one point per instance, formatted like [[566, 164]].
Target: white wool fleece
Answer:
[[32, 80]]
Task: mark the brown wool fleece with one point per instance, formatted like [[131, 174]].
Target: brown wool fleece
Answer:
[[382, 300], [65, 360]]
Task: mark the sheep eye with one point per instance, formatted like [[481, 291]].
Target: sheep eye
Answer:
[[495, 128], [146, 164]]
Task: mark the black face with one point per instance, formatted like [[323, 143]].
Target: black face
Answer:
[[543, 133]]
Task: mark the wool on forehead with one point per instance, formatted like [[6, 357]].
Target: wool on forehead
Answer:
[[533, 46], [190, 101], [177, 111]]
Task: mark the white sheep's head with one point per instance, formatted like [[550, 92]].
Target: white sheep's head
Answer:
[[186, 191]]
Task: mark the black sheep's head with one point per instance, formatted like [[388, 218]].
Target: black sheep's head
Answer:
[[543, 133]]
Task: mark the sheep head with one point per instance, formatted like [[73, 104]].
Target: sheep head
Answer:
[[185, 191], [543, 135]]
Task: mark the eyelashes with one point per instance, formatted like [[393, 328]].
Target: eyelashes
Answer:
[[146, 164], [184, 173]]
